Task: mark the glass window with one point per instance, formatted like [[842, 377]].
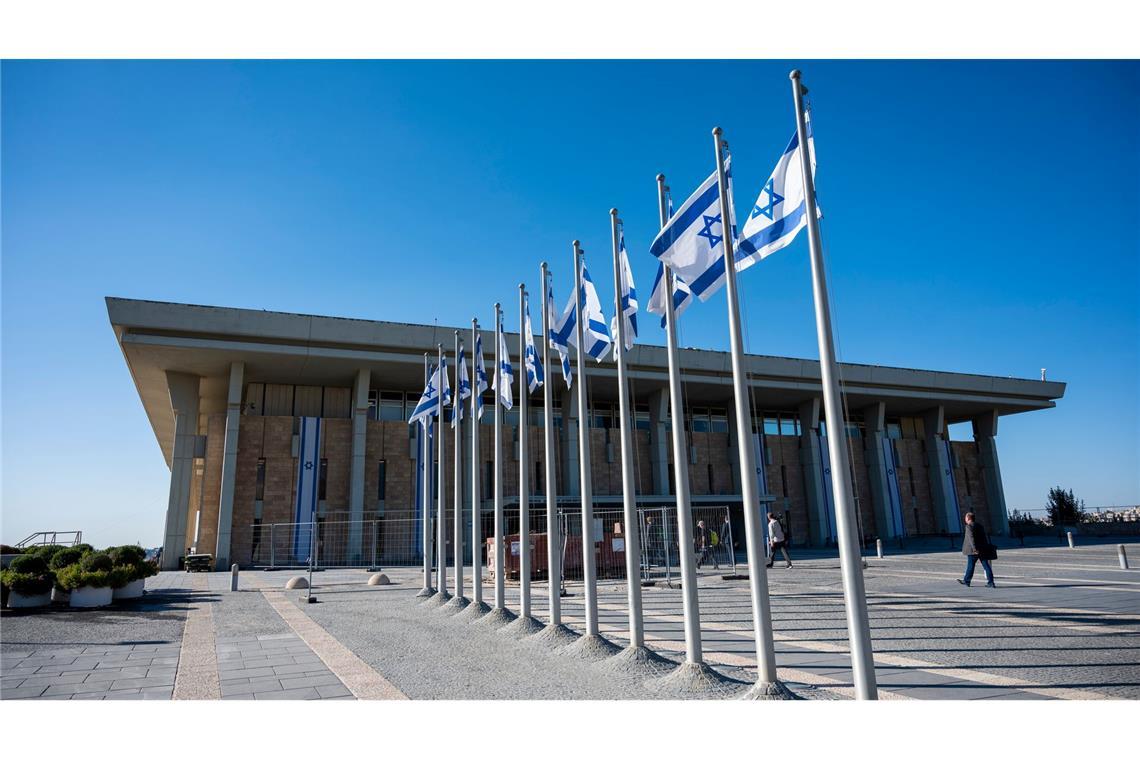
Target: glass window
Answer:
[[259, 495], [392, 406], [373, 405], [789, 425], [641, 416], [382, 479], [771, 425], [718, 420], [700, 420], [323, 483], [854, 430]]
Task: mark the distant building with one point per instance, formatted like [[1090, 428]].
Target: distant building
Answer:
[[225, 390]]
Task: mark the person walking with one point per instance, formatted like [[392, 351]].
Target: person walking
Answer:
[[777, 541], [977, 548], [726, 538], [705, 545]]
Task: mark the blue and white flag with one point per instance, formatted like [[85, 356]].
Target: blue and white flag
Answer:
[[780, 210], [428, 405], [464, 387], [480, 376], [308, 486], [557, 332], [692, 241], [534, 375], [682, 296], [504, 376], [595, 333], [628, 300], [444, 382]]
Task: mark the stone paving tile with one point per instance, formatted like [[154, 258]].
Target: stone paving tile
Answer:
[[274, 666]]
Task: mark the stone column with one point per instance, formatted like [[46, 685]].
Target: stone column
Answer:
[[874, 429], [811, 462], [985, 431], [184, 406], [942, 494], [357, 463], [571, 457], [659, 439], [229, 466]]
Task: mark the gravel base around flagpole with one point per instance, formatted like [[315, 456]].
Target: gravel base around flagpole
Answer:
[[592, 647], [520, 628], [472, 612], [438, 599], [456, 604], [422, 594], [638, 661], [496, 618], [696, 681], [553, 637], [768, 691]]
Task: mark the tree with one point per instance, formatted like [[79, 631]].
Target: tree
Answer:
[[1063, 507]]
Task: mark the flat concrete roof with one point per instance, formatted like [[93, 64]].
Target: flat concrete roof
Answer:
[[304, 349]]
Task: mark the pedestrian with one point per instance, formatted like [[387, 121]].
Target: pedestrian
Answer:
[[777, 541], [977, 548], [706, 543], [726, 537]]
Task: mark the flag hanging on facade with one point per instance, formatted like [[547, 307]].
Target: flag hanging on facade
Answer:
[[780, 210], [464, 387], [504, 376], [480, 376], [428, 405], [595, 332], [628, 300], [534, 375], [558, 329]]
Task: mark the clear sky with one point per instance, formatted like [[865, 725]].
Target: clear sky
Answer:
[[980, 217]]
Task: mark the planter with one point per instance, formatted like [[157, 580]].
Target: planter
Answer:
[[132, 590], [59, 596], [89, 596], [16, 600]]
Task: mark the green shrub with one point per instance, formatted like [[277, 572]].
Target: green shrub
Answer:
[[47, 551], [127, 555], [85, 548], [96, 562], [5, 549], [68, 556], [29, 563], [75, 576], [29, 575]]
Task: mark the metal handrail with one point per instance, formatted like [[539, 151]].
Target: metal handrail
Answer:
[[77, 538]]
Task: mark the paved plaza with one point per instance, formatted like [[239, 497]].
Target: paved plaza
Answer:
[[1062, 624]]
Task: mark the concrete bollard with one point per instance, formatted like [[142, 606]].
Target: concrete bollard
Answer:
[[234, 577], [1122, 556], [1070, 536], [879, 547]]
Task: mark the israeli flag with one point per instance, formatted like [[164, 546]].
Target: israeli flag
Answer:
[[780, 210], [682, 295], [464, 387], [628, 300], [428, 405], [557, 331], [595, 332], [504, 376], [480, 376], [534, 376], [445, 383]]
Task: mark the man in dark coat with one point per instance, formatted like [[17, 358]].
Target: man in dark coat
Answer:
[[976, 546]]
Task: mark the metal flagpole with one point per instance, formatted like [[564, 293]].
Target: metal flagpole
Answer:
[[500, 603], [457, 453], [553, 547], [854, 594], [524, 465], [425, 500], [440, 491], [680, 466], [767, 683], [629, 492], [476, 486], [589, 572]]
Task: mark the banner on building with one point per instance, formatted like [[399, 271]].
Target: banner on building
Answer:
[[894, 496], [308, 486]]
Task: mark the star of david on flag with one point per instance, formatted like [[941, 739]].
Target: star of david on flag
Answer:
[[480, 376], [534, 375], [595, 332], [504, 376], [429, 402]]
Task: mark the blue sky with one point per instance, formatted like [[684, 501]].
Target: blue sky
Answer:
[[981, 217]]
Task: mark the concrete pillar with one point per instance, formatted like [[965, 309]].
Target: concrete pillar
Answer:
[[733, 454], [184, 405], [874, 429], [570, 455], [985, 431], [357, 464], [811, 462], [659, 440], [944, 499], [229, 465]]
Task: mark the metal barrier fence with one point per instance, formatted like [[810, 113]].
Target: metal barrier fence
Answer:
[[393, 542]]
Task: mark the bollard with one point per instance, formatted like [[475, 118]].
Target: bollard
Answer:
[[1070, 535], [1120, 555], [234, 577], [879, 547]]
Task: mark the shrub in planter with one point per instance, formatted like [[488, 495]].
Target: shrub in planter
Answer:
[[90, 581], [133, 570], [5, 549], [29, 582], [69, 555]]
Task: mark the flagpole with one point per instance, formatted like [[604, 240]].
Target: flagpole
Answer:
[[854, 593], [629, 491], [767, 683], [425, 501], [553, 566], [476, 486], [499, 564], [589, 573], [457, 453], [524, 466], [693, 654], [440, 491]]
